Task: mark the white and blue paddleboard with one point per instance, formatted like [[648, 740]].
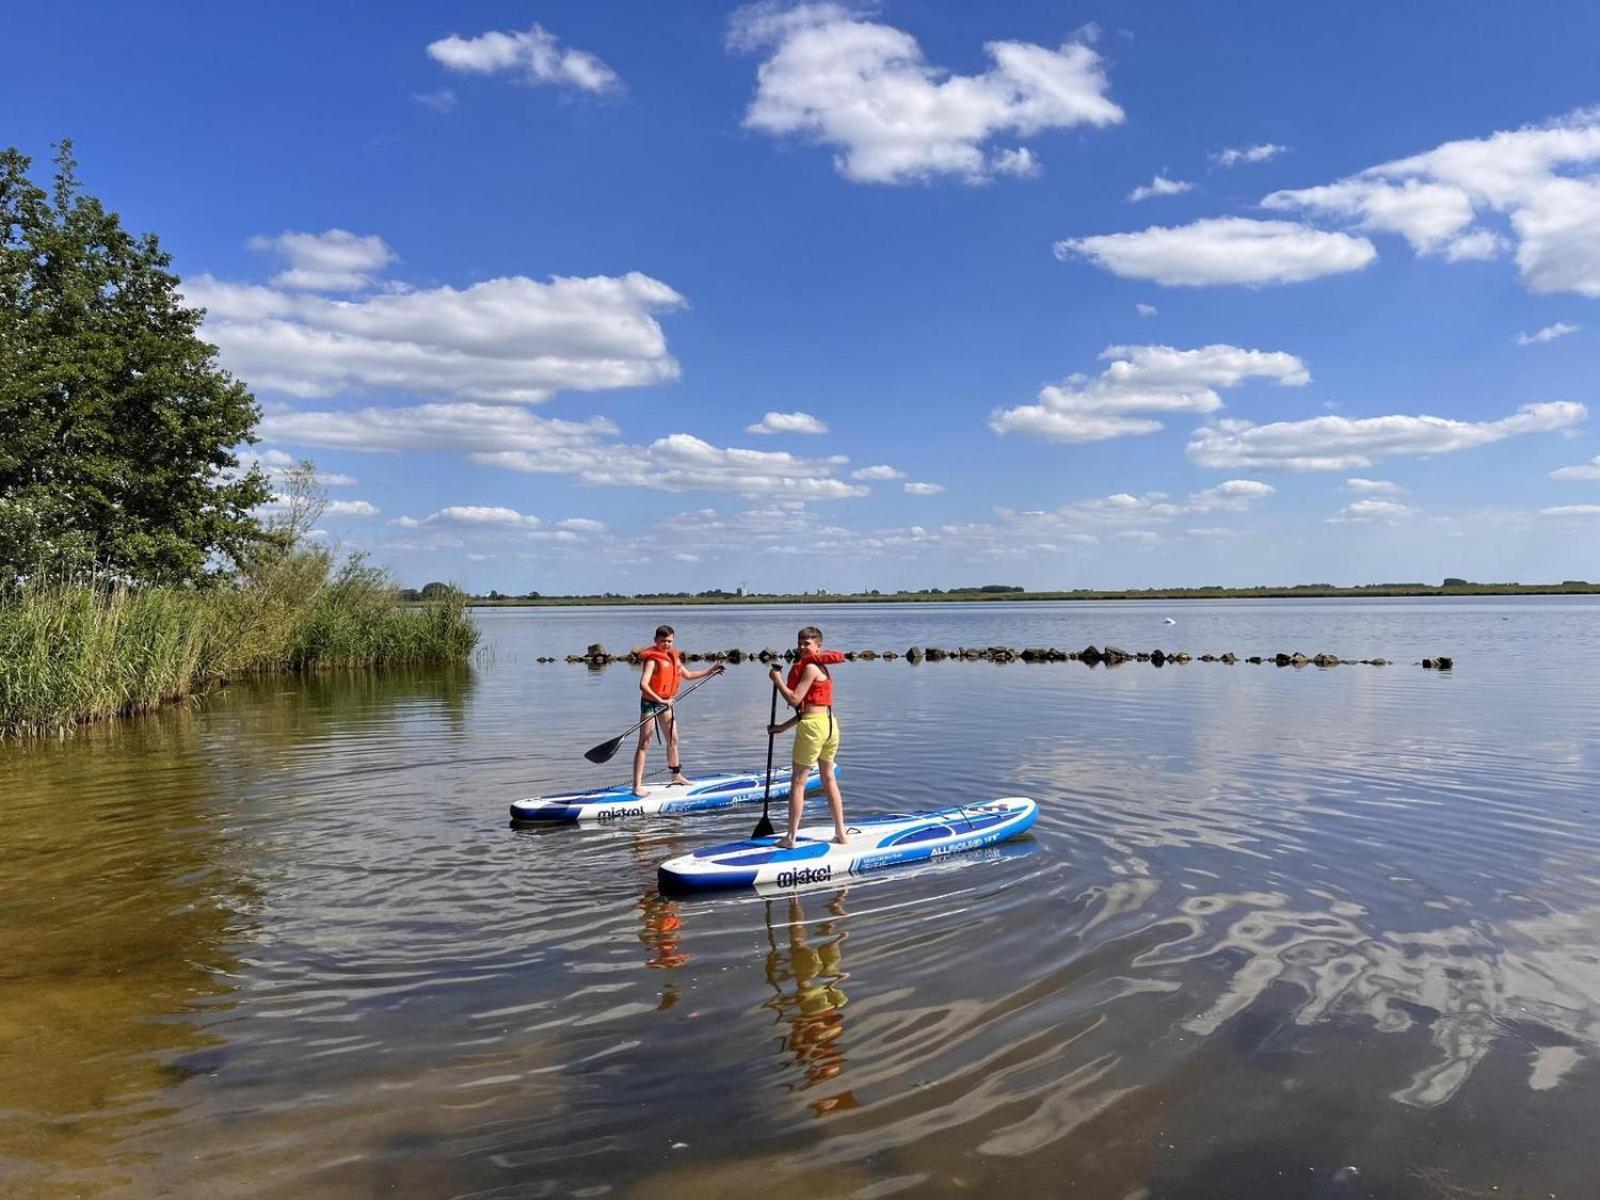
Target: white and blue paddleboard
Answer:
[[874, 843], [706, 792]]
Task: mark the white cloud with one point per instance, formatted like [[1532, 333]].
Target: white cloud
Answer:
[[924, 489], [1428, 215], [276, 464], [1159, 186], [1367, 510], [835, 78], [582, 525], [1018, 163], [1223, 250], [681, 462], [1234, 155], [1343, 443], [1571, 510], [795, 422], [1125, 508], [1212, 533], [537, 55], [1143, 379], [334, 508], [1145, 310], [1548, 334], [350, 508], [481, 515], [464, 428], [1372, 486], [1588, 470], [515, 439], [334, 261], [510, 339], [882, 471], [443, 100], [1541, 180], [1140, 536]]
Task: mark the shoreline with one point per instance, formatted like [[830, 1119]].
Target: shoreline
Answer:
[[977, 597]]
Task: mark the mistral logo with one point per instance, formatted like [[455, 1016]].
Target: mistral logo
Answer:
[[800, 875], [616, 814]]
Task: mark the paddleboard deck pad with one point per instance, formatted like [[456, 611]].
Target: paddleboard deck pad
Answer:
[[874, 844], [706, 792]]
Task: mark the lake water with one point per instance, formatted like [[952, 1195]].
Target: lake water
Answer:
[[1277, 933]]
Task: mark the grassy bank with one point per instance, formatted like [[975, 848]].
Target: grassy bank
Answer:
[[79, 651]]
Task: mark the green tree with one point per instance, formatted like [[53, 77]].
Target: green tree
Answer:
[[117, 427], [435, 590]]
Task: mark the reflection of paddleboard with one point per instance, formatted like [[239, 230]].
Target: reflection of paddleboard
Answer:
[[874, 843], [706, 792]]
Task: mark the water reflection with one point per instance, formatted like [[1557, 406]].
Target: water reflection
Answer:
[[806, 974]]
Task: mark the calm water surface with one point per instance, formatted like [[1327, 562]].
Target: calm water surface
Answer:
[[1277, 933]]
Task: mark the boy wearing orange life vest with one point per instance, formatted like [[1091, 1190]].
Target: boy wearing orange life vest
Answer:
[[809, 691], [659, 680]]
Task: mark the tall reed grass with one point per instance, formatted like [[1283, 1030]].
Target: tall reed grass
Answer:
[[79, 650]]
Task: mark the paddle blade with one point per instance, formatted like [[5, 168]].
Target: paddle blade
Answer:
[[604, 752], [763, 827]]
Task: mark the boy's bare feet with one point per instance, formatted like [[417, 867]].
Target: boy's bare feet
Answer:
[[841, 840], [784, 843]]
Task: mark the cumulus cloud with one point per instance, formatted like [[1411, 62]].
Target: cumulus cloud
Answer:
[[1145, 310], [517, 440], [881, 471], [795, 422], [443, 100], [1588, 470], [1571, 510], [1343, 443], [1233, 156], [334, 261], [350, 508], [510, 339], [1143, 379], [537, 56], [1548, 334], [1159, 186], [833, 77], [924, 489], [1369, 510], [1220, 250], [1541, 181], [276, 464], [1372, 486]]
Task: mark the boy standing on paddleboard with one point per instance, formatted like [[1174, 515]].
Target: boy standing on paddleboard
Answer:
[[809, 691], [659, 680]]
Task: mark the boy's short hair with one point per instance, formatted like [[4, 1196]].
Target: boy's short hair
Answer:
[[810, 631], [665, 631]]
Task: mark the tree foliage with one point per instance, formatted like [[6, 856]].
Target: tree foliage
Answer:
[[117, 426]]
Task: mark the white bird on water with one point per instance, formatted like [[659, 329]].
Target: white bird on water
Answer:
[[1168, 621]]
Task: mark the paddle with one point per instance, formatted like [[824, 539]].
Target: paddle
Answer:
[[764, 826], [605, 751]]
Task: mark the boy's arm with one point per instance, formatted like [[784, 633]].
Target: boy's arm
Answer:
[[644, 683], [714, 669], [797, 697]]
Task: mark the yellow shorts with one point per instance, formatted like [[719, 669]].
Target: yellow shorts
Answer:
[[816, 738]]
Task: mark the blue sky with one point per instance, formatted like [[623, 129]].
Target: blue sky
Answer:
[[1109, 295]]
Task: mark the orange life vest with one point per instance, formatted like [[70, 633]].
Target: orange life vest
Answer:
[[669, 671], [821, 692]]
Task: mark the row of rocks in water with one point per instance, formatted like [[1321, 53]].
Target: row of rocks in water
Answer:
[[596, 655]]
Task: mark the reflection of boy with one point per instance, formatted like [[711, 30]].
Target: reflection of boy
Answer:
[[809, 690], [659, 680]]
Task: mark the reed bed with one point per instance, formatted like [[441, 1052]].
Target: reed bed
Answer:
[[80, 650]]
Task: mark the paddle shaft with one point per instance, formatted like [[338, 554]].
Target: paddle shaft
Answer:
[[764, 826], [606, 749]]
